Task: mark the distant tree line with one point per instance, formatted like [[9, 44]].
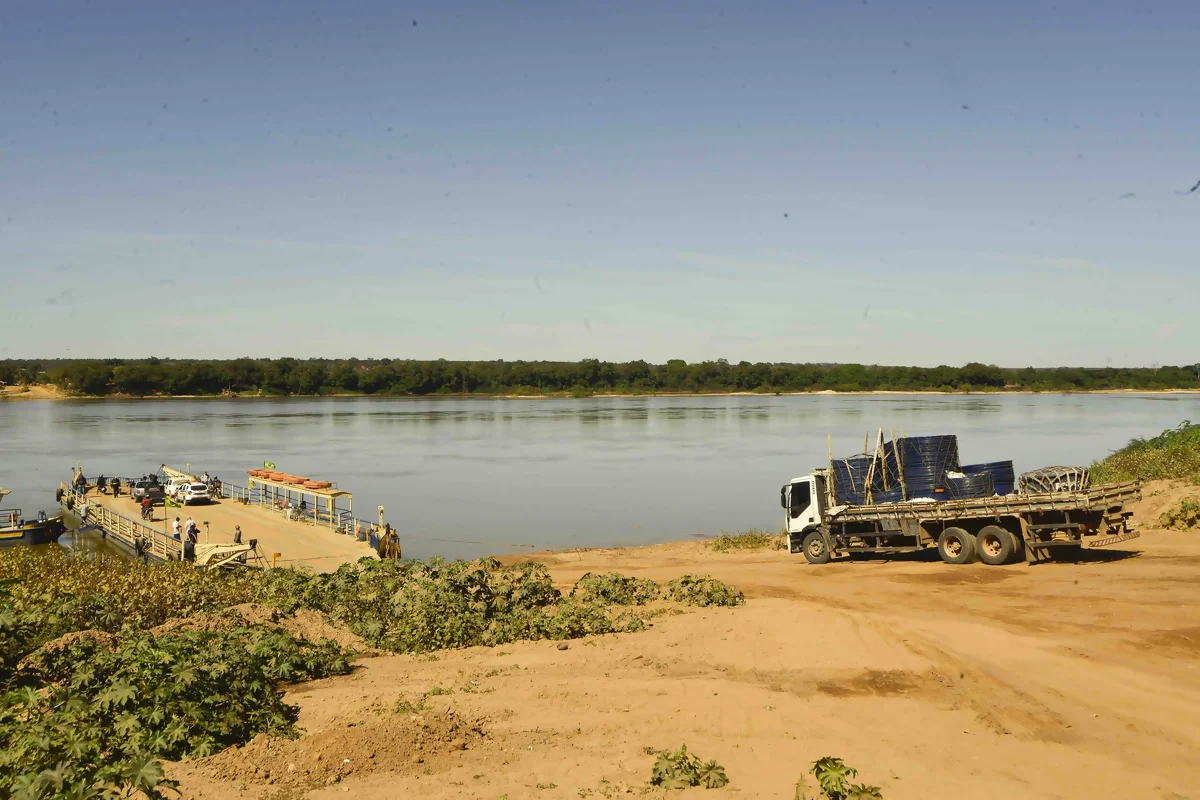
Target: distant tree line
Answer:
[[291, 376]]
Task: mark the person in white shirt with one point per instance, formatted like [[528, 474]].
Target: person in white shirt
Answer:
[[175, 528], [189, 526], [83, 510]]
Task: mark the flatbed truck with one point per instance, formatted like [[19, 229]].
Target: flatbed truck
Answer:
[[995, 530]]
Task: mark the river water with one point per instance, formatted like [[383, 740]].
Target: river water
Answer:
[[462, 478]]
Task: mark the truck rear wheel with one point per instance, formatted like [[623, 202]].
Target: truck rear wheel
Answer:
[[1018, 546], [815, 549], [956, 546], [995, 545]]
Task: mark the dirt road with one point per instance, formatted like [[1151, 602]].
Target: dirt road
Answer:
[[1074, 680]]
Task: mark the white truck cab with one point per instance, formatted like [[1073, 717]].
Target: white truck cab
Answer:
[[804, 503]]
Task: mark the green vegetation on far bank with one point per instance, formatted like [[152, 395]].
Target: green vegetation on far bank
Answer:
[[1172, 455], [290, 376], [94, 693]]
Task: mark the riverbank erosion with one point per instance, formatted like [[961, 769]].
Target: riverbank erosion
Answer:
[[1075, 679]]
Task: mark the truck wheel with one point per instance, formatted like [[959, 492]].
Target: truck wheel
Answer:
[[1018, 546], [956, 546], [815, 550], [995, 545]]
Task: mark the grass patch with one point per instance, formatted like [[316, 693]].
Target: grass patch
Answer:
[[750, 540], [1172, 455]]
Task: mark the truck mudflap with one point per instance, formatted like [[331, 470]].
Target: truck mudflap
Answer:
[[1120, 537]]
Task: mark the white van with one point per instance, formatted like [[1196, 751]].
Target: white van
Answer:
[[175, 484]]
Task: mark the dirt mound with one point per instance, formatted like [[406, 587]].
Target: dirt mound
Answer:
[[106, 640], [391, 743], [304, 624]]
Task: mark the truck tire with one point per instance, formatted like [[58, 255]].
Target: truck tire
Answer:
[[815, 549], [995, 545], [956, 546], [1018, 546]]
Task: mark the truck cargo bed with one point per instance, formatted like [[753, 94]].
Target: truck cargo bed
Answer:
[[1097, 498]]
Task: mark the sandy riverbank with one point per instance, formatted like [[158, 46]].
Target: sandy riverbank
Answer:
[[41, 392], [1047, 681]]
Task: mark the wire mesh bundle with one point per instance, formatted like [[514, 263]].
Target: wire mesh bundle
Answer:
[[891, 495], [854, 476], [924, 462], [1004, 480], [850, 479], [960, 486], [1055, 479]]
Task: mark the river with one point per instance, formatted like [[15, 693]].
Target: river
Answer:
[[466, 477]]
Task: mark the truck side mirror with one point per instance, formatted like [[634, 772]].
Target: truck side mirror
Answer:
[[783, 499]]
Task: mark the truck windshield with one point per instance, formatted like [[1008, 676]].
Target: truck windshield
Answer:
[[801, 498]]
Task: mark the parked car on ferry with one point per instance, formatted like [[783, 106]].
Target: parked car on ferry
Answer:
[[192, 493], [152, 489]]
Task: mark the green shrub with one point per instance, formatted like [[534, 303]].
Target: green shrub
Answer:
[[702, 590], [47, 593], [91, 714], [616, 589], [1183, 518], [1172, 455], [104, 715], [679, 769], [750, 540], [833, 777]]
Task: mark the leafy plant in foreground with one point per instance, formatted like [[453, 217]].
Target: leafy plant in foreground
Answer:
[[834, 776], [702, 590], [91, 700], [615, 588], [679, 769], [106, 715]]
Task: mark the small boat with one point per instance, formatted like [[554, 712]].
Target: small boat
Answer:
[[15, 529]]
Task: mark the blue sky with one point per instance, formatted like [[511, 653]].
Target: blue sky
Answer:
[[879, 182]]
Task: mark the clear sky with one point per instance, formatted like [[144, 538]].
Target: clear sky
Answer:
[[881, 182]]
